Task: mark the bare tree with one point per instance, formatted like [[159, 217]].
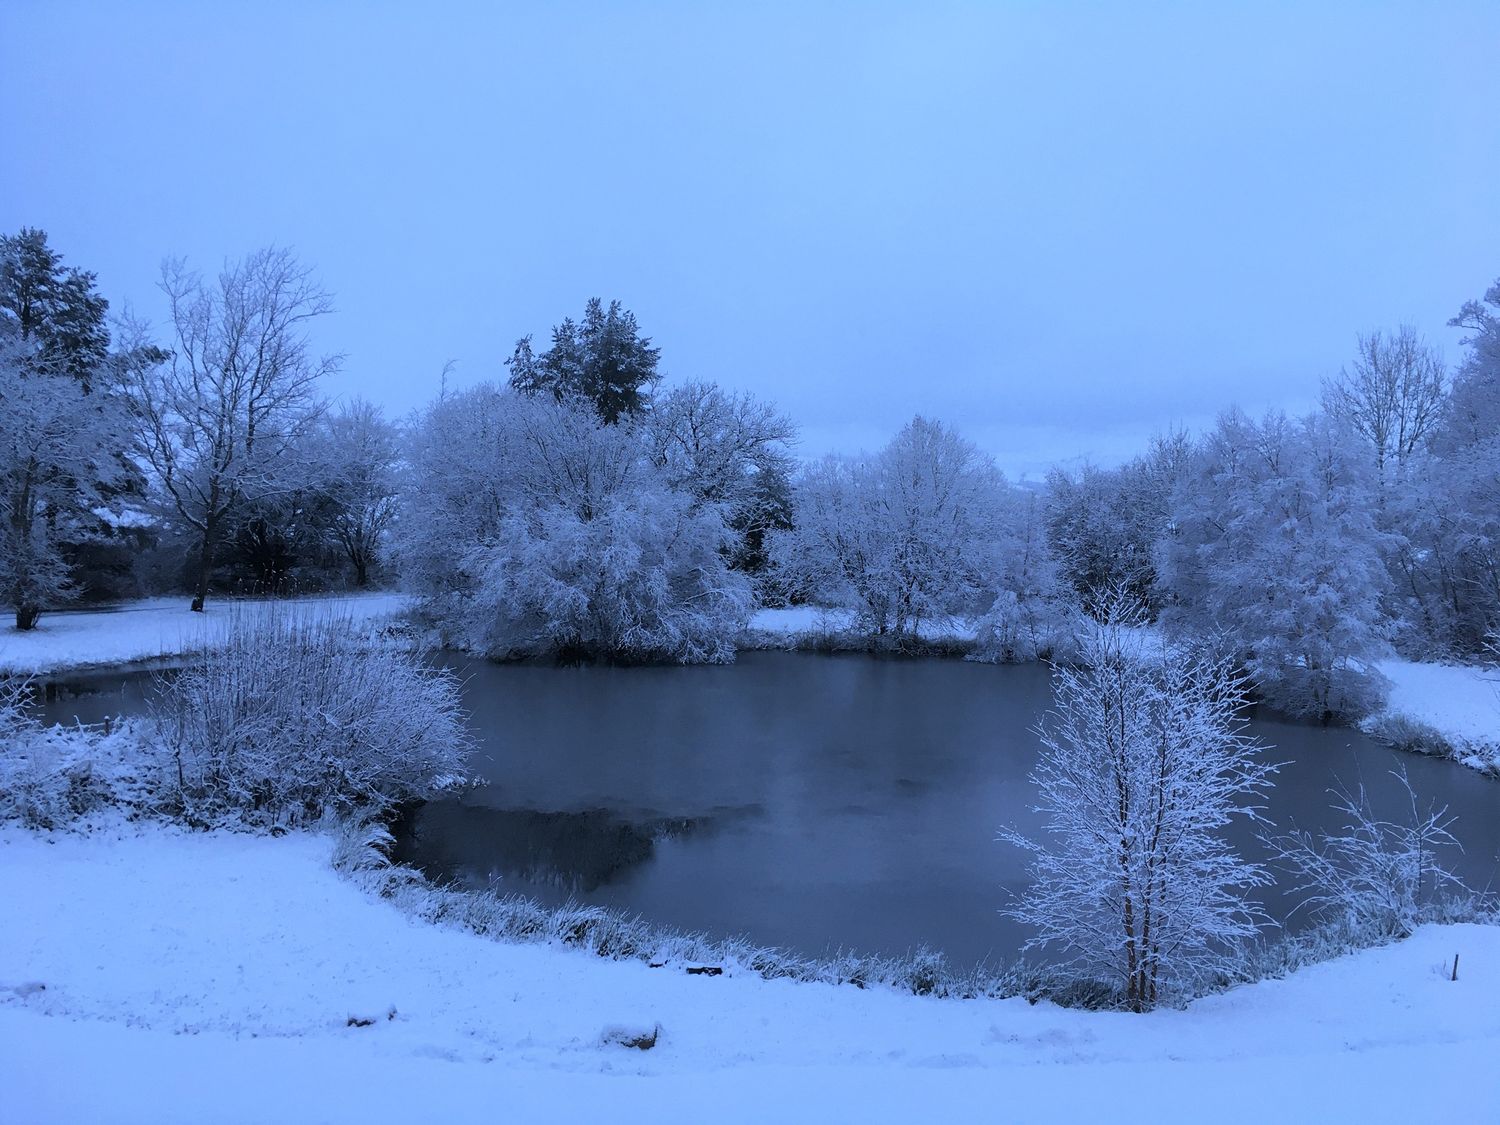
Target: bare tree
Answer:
[[1143, 765], [1393, 396], [216, 419]]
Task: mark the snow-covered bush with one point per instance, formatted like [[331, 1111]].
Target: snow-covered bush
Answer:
[[51, 776], [1143, 765], [643, 579], [289, 717], [1383, 877], [534, 528]]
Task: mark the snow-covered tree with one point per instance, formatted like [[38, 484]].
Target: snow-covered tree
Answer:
[[1275, 551], [1034, 615], [903, 537], [55, 306], [641, 578], [1472, 412], [1144, 764], [217, 420], [54, 318], [1393, 395], [357, 454], [603, 359], [530, 526], [461, 454], [58, 447], [1105, 526], [1447, 512], [729, 450]]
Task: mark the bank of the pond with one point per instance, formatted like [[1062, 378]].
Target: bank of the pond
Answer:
[[156, 975], [158, 630]]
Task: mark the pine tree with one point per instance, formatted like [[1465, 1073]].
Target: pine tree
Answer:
[[604, 360], [53, 305]]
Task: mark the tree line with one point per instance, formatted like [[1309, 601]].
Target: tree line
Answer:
[[583, 507]]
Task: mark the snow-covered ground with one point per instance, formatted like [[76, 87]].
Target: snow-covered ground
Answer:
[[152, 975], [153, 629], [1461, 702]]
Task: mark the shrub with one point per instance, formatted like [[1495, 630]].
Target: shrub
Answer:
[[1411, 735], [1381, 877], [290, 717], [52, 776]]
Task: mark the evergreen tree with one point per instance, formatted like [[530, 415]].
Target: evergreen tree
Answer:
[[604, 359], [54, 306]]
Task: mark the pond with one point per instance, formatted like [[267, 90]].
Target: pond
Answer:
[[811, 802]]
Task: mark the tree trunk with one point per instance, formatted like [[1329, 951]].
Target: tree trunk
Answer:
[[26, 616], [361, 572], [205, 567]]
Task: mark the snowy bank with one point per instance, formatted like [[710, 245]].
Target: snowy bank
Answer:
[[1447, 709], [152, 975], [155, 629], [812, 626]]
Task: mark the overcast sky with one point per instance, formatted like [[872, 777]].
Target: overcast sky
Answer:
[[1059, 227]]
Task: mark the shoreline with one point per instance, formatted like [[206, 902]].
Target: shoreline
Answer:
[[1448, 711]]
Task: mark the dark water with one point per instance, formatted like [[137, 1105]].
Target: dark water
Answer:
[[812, 802]]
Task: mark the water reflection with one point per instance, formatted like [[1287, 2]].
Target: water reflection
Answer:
[[569, 853]]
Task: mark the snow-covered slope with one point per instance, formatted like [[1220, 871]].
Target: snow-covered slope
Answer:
[[153, 629], [153, 975]]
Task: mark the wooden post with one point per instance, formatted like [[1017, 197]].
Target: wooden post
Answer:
[[1455, 968]]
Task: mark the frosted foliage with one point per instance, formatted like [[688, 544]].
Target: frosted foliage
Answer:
[[1143, 766], [904, 537], [532, 527], [288, 717], [1033, 617], [642, 579], [56, 449], [1275, 551]]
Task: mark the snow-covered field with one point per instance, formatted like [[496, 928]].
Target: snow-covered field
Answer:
[[153, 629], [152, 975]]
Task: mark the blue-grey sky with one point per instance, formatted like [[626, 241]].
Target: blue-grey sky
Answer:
[[1059, 226]]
